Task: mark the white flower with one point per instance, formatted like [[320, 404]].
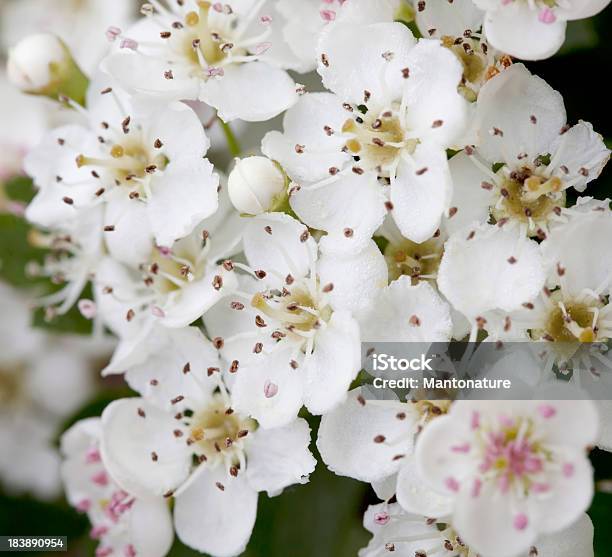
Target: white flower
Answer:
[[123, 524], [218, 53], [79, 24], [185, 439], [395, 110], [290, 331], [487, 271], [256, 185], [514, 469], [520, 122], [147, 166], [42, 381], [573, 312], [172, 286], [533, 30], [408, 535]]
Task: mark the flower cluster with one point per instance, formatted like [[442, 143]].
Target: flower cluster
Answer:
[[433, 191]]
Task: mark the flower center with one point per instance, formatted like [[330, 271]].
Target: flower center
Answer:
[[511, 457], [418, 261], [296, 309], [376, 140], [171, 270], [129, 161], [217, 433], [528, 198]]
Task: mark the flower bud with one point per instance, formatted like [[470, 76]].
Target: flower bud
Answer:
[[43, 65], [257, 185]]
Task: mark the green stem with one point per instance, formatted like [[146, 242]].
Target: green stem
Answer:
[[232, 141]]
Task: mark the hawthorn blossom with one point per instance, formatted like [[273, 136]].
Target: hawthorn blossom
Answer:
[[572, 314], [408, 535], [394, 110], [174, 285], [526, 156], [211, 51], [513, 469], [489, 271], [122, 523], [147, 166], [42, 381], [290, 329], [533, 30], [185, 439], [373, 441]]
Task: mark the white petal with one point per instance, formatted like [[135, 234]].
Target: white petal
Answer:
[[569, 497], [128, 441], [435, 108], [352, 202], [181, 196], [434, 458], [415, 497], [150, 527], [485, 523], [448, 18], [160, 377], [214, 520], [304, 125], [131, 241], [575, 540], [471, 201], [270, 390], [351, 60], [179, 129], [581, 151], [486, 267], [278, 458], [507, 103], [516, 29], [197, 297], [605, 435], [51, 160], [406, 313], [584, 268], [356, 278], [421, 192], [254, 92], [579, 9], [273, 241], [346, 437], [333, 365], [144, 75]]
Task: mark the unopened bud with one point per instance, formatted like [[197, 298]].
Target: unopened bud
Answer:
[[257, 185], [43, 65]]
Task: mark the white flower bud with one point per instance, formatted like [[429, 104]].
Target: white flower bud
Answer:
[[257, 185], [31, 61], [42, 64]]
